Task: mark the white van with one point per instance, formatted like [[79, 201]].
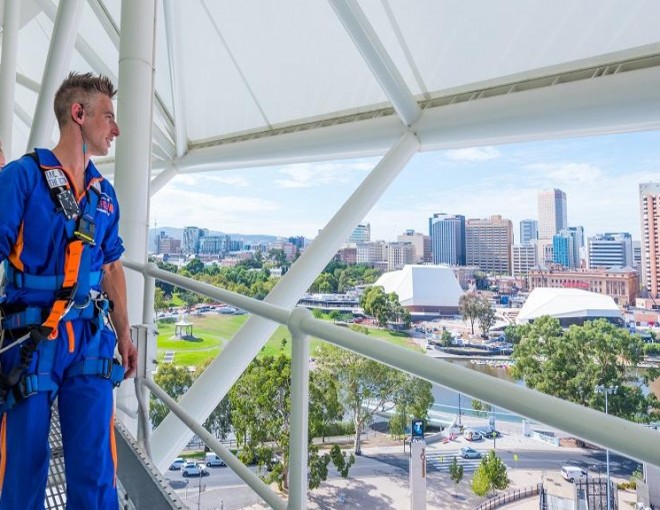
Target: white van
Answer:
[[213, 460], [573, 474]]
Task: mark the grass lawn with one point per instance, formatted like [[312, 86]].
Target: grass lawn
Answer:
[[212, 332]]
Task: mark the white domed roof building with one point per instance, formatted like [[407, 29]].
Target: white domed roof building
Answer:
[[424, 290], [570, 306]]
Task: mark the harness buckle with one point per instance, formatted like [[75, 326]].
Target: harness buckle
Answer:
[[106, 368], [67, 293], [26, 387]]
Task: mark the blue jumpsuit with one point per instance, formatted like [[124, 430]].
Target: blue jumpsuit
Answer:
[[33, 240]]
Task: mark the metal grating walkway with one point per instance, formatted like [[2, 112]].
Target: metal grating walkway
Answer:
[[145, 487]]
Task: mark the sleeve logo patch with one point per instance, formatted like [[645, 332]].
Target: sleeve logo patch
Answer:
[[105, 205]]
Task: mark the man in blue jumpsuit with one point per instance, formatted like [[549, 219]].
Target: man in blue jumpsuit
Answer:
[[64, 307]]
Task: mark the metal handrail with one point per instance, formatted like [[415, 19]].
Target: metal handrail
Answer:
[[250, 478], [608, 431]]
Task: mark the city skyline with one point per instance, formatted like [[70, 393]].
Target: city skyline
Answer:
[[600, 176]]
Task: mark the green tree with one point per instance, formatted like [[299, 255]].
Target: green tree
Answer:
[[160, 304], [195, 266], [469, 305], [570, 364], [324, 404], [219, 421], [365, 387], [481, 407], [445, 338], [324, 283], [261, 415], [513, 333], [175, 381], [495, 472], [480, 483], [455, 473], [486, 315], [412, 400], [189, 298], [278, 257]]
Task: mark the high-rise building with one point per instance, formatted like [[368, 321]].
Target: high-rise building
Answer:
[[528, 231], [191, 237], [421, 244], [399, 254], [167, 244], [563, 252], [447, 234], [649, 197], [370, 253], [361, 234], [610, 250], [523, 259], [552, 212], [213, 245], [488, 244], [577, 233], [637, 256]]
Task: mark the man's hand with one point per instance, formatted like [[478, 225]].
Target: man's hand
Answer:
[[129, 356]]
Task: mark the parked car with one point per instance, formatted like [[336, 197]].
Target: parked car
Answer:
[[469, 453], [213, 460], [573, 473], [472, 435], [177, 464], [193, 469]]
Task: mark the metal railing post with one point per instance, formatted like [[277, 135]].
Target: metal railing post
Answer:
[[141, 334], [298, 441]]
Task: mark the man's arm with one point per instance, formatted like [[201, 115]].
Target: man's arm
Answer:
[[114, 284]]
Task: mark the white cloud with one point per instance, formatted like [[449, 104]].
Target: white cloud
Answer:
[[308, 175], [473, 154], [203, 179], [569, 173]]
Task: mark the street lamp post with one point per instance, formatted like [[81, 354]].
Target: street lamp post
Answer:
[[607, 390]]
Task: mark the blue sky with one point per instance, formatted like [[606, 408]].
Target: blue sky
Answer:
[[600, 176]]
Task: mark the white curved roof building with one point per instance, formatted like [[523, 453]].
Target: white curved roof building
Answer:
[[570, 306], [424, 289]]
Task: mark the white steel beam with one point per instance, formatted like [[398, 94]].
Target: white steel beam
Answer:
[[374, 53], [173, 35], [10, 25], [162, 179], [214, 383], [57, 63], [28, 83], [133, 153], [618, 103]]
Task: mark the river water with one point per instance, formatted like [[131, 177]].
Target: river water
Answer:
[[447, 400]]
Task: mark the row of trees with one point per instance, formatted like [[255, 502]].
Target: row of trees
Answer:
[[258, 407], [341, 277], [570, 363]]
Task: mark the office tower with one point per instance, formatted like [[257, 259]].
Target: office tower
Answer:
[[544, 252], [528, 231], [213, 245], [191, 237], [361, 234], [563, 252], [552, 212], [421, 244], [610, 250], [370, 253], [577, 233], [399, 254], [488, 244], [637, 256], [447, 232], [523, 258], [649, 198]]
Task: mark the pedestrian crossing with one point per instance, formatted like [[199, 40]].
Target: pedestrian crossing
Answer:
[[441, 461]]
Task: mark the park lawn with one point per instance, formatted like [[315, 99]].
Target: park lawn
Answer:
[[215, 331]]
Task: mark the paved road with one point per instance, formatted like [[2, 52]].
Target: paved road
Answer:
[[591, 460]]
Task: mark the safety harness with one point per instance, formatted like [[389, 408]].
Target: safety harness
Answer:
[[75, 298]]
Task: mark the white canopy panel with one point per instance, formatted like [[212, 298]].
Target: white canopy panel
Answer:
[[253, 66], [567, 303]]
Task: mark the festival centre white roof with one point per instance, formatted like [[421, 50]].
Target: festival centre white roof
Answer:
[[428, 286], [567, 303]]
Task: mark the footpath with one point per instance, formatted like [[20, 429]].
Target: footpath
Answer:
[[376, 485]]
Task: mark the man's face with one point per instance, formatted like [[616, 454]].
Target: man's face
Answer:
[[99, 125]]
